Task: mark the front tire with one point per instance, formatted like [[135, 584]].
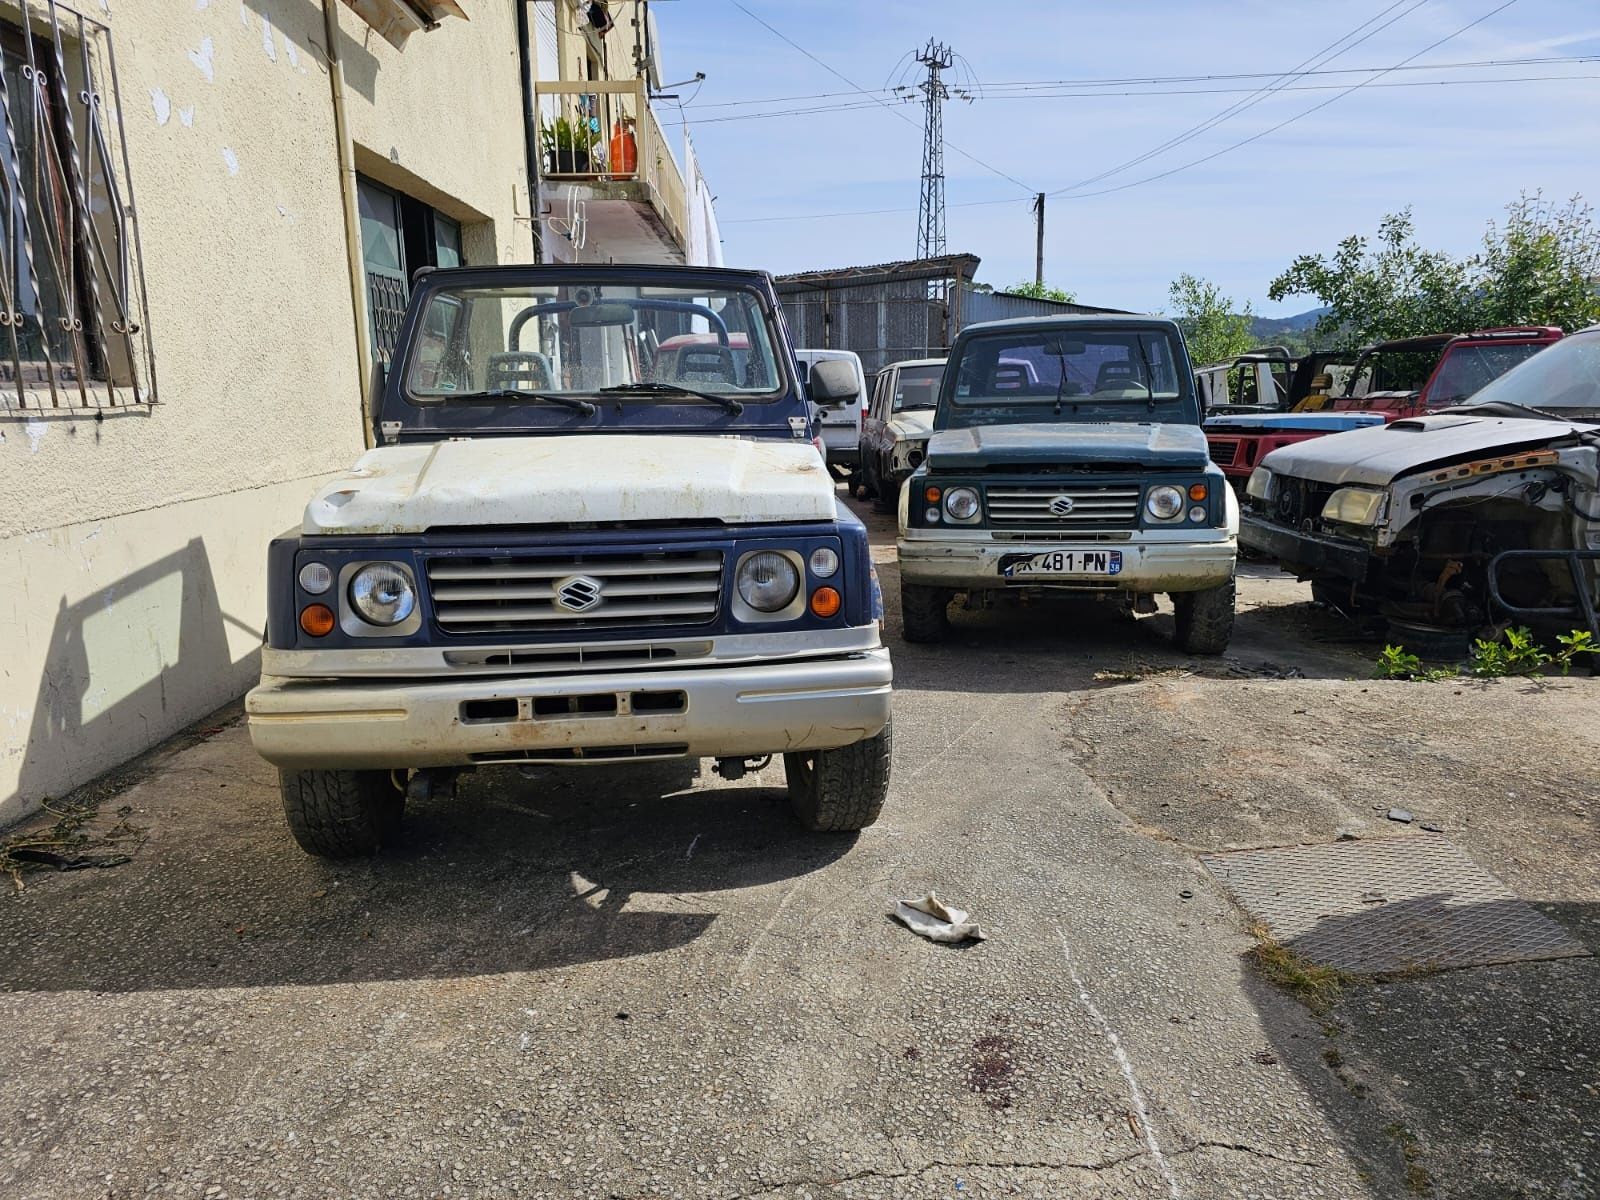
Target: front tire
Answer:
[[842, 790], [1205, 619], [924, 612], [887, 497], [341, 814]]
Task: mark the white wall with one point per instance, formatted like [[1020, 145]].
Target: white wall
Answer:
[[132, 549]]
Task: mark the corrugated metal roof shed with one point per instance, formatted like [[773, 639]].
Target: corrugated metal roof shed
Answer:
[[885, 312], [888, 312], [979, 305]]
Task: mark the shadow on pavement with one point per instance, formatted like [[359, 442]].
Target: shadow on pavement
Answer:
[[516, 874], [1476, 1084]]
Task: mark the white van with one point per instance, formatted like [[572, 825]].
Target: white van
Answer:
[[841, 424]]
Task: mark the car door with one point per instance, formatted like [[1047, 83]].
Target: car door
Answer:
[[872, 426]]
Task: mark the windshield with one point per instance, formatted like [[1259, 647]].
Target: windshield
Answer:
[[1564, 378], [917, 387], [583, 338], [1393, 371], [1109, 369], [1468, 368]]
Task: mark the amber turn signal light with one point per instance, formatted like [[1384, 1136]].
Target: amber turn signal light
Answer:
[[317, 620], [1197, 491], [932, 495], [825, 601]]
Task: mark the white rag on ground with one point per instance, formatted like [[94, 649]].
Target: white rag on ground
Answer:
[[935, 920]]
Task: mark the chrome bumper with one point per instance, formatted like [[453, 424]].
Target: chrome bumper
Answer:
[[814, 704], [1170, 566]]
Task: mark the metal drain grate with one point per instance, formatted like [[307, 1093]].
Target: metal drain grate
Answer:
[[1380, 907]]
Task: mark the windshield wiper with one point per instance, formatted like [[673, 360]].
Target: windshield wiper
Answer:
[[1144, 357], [572, 402], [663, 389]]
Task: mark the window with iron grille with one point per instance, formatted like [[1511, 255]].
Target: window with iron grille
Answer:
[[74, 331], [399, 234]]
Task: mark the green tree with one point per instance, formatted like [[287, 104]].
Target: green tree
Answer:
[[1378, 289], [1043, 291], [1214, 332], [1541, 266]]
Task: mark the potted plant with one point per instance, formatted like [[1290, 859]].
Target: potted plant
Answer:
[[566, 146]]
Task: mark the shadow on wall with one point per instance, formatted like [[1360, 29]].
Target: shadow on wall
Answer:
[[300, 23], [126, 667], [1477, 1084]]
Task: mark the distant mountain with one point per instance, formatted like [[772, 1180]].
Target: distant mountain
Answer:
[[1269, 329]]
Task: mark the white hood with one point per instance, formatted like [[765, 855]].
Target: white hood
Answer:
[[566, 479]]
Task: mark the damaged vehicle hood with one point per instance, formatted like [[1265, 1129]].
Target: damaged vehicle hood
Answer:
[[578, 479], [912, 424], [1380, 455], [1123, 443]]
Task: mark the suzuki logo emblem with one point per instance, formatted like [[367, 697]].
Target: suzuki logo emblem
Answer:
[[1061, 506], [578, 593]]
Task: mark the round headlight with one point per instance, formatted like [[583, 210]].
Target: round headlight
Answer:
[[1163, 503], [961, 503], [767, 581], [824, 562], [1197, 513], [316, 578], [383, 594]]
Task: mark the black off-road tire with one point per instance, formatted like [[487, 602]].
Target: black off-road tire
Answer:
[[341, 814], [1204, 619], [924, 612], [886, 498], [839, 791]]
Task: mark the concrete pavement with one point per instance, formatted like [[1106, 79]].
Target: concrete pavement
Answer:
[[626, 984]]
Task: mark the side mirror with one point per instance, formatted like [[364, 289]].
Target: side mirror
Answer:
[[832, 383]]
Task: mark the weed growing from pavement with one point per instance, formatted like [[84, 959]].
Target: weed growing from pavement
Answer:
[[1315, 985], [1520, 654], [1396, 663]]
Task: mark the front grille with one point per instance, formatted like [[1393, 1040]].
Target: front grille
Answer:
[[526, 593], [1223, 451], [1108, 506]]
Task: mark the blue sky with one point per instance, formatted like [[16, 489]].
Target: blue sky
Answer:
[[1455, 154]]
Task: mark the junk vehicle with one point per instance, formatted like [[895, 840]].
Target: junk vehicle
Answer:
[[1447, 521], [841, 423], [1086, 476], [1391, 380], [570, 549], [894, 435], [1269, 379]]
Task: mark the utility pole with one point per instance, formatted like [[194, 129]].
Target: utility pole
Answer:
[[1038, 251], [938, 58]]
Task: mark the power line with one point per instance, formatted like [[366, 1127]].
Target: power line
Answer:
[[1329, 52], [1311, 87], [863, 91], [1357, 86], [991, 90]]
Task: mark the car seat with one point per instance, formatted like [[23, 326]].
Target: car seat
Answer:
[[1118, 377], [706, 364], [520, 370]]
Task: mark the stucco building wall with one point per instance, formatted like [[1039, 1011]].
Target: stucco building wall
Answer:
[[132, 547]]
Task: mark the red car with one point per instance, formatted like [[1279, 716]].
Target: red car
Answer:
[[1391, 380]]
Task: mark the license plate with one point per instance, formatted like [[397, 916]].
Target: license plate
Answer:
[[1062, 562]]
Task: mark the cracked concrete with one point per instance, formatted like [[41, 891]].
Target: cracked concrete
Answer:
[[619, 984]]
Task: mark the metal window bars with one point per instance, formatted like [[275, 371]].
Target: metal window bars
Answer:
[[74, 323]]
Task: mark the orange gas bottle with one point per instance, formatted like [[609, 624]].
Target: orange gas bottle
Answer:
[[624, 156]]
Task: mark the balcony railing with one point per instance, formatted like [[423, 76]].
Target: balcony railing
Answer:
[[604, 131]]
